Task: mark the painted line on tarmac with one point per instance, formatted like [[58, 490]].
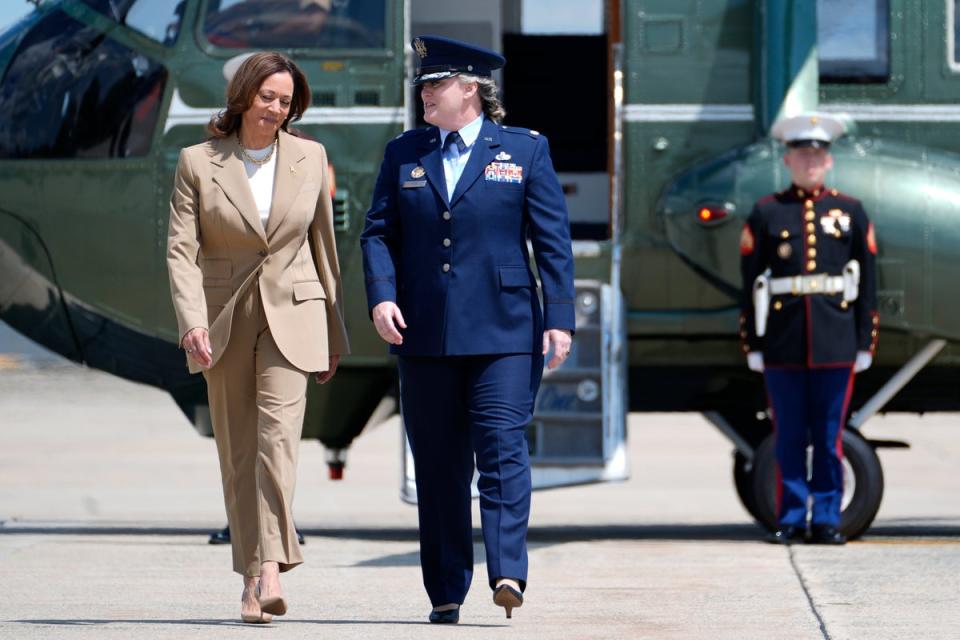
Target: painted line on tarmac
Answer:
[[920, 542], [9, 361], [806, 592]]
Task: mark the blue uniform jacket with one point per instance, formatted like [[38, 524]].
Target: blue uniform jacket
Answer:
[[799, 233], [459, 269]]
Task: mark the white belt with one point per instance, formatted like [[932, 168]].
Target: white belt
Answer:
[[819, 283], [807, 285]]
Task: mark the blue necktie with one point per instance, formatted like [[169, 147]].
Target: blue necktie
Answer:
[[453, 138]]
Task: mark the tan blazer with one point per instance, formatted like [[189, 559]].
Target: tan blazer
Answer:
[[216, 248]]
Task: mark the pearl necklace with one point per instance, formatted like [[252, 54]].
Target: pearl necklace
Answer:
[[253, 160]]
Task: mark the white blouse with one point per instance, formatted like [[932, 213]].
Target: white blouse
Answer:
[[261, 180]]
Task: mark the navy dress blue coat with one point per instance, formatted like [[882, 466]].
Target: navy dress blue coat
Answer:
[[459, 269]]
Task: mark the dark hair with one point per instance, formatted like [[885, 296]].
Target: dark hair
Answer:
[[244, 85]]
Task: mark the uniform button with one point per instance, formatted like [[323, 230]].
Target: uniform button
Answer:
[[446, 267], [784, 234], [777, 305], [811, 239], [876, 320], [811, 265], [745, 348], [801, 193], [446, 215], [874, 333], [811, 253], [844, 304], [446, 242], [811, 227], [808, 204], [810, 216]]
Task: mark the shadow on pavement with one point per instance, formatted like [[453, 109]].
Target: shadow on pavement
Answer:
[[232, 623]]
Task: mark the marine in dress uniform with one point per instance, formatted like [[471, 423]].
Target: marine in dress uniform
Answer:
[[809, 322], [450, 287]]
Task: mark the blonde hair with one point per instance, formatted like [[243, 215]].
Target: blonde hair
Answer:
[[489, 96]]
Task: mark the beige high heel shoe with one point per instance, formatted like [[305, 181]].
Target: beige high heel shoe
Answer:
[[257, 618], [507, 597]]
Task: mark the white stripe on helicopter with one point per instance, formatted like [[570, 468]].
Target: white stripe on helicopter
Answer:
[[688, 112], [182, 114], [744, 112]]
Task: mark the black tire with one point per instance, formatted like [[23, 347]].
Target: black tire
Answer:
[[743, 481], [860, 506]]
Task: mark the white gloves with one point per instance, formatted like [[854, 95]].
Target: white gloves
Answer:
[[755, 361], [864, 360]]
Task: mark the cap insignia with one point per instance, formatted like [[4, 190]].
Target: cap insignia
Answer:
[[421, 48]]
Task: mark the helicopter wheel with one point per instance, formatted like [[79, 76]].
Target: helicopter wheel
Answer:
[[862, 484], [743, 481]]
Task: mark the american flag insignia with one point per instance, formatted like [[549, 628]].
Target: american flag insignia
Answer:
[[503, 155], [420, 47], [504, 172]]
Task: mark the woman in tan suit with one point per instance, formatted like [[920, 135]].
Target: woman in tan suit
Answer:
[[256, 289]]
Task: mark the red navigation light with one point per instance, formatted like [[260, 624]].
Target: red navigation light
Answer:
[[711, 213]]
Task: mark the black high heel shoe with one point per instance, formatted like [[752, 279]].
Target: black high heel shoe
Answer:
[[507, 597], [448, 616]]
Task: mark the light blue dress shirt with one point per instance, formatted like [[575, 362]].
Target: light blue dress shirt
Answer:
[[454, 162]]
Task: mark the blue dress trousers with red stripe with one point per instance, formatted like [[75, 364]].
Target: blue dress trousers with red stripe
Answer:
[[811, 341], [470, 363]]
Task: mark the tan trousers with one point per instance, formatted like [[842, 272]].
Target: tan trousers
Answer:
[[257, 401]]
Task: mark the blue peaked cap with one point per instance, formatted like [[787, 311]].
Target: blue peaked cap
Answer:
[[440, 58]]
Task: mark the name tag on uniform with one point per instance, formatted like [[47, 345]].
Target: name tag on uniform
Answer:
[[504, 172], [414, 184]]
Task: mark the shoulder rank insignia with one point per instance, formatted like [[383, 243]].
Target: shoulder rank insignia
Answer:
[[502, 156], [417, 172], [746, 241]]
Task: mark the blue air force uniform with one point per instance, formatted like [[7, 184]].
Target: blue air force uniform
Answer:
[[446, 240], [798, 250]]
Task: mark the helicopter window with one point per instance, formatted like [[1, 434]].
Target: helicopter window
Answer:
[[853, 41], [157, 19], [296, 24], [71, 92]]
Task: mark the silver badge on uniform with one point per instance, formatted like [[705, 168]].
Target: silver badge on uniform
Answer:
[[503, 156], [418, 172], [835, 223]]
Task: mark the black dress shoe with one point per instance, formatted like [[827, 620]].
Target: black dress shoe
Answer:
[[786, 535], [220, 537], [826, 534], [223, 537], [450, 616]]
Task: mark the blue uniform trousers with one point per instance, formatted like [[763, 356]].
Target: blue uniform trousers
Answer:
[[809, 408], [457, 409]]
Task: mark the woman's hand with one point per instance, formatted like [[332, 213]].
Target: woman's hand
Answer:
[[197, 345], [561, 339], [324, 376], [388, 320]]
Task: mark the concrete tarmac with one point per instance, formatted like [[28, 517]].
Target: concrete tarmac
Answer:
[[107, 495]]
